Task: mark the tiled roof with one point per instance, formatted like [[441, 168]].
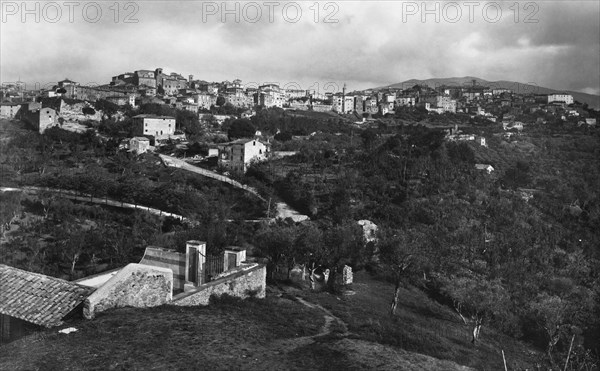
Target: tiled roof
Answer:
[[36, 298]]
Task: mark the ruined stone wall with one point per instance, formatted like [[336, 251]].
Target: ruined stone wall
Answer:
[[135, 285], [242, 284], [74, 113]]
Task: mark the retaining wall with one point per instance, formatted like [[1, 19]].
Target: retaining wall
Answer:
[[135, 285], [242, 284]]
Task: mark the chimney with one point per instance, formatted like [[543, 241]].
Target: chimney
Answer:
[[190, 78]]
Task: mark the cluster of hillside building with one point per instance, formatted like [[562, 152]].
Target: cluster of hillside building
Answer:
[[154, 86], [198, 95]]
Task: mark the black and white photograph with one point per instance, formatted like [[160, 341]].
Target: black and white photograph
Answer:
[[300, 185]]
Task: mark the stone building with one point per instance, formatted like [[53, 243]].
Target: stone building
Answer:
[[239, 154], [161, 127], [9, 110], [167, 276], [139, 144], [145, 77], [47, 119], [270, 95]]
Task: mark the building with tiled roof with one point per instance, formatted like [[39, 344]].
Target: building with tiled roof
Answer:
[[161, 127], [239, 154], [36, 298]]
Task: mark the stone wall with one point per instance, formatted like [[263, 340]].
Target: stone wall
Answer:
[[242, 284], [135, 285], [170, 259]]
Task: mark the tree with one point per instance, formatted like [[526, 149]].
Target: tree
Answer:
[[11, 207], [549, 311], [368, 136], [308, 244], [477, 297], [220, 100], [188, 122], [241, 128], [461, 152], [400, 257], [343, 245], [283, 136], [276, 243]]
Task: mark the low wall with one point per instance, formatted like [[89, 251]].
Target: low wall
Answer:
[[242, 284], [79, 196], [135, 285], [169, 259]]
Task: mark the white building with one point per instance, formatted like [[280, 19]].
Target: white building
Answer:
[[270, 95], [239, 154], [560, 97], [486, 167], [161, 127], [9, 110], [343, 103], [443, 102]]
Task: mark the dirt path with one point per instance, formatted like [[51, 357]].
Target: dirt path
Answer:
[[360, 354], [289, 345]]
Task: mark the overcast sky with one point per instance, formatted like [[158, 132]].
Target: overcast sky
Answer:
[[553, 44]]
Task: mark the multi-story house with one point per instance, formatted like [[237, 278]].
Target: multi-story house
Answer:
[[236, 96], [205, 100], [371, 105], [560, 97], [405, 101], [145, 77], [270, 96], [161, 127], [239, 154], [441, 102]]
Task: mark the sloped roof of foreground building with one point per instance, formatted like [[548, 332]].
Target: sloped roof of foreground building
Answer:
[[37, 298]]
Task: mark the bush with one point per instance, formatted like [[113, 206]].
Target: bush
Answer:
[[88, 111], [283, 136]]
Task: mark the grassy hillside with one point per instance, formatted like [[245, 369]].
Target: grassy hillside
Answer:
[[352, 331]]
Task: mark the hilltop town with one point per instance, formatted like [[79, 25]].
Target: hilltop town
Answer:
[[438, 227], [155, 86]]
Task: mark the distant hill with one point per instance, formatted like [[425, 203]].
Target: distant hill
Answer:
[[518, 87]]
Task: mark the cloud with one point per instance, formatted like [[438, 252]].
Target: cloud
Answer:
[[363, 43]]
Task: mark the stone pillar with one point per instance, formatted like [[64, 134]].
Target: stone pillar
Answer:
[[195, 260], [347, 277], [230, 261]]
